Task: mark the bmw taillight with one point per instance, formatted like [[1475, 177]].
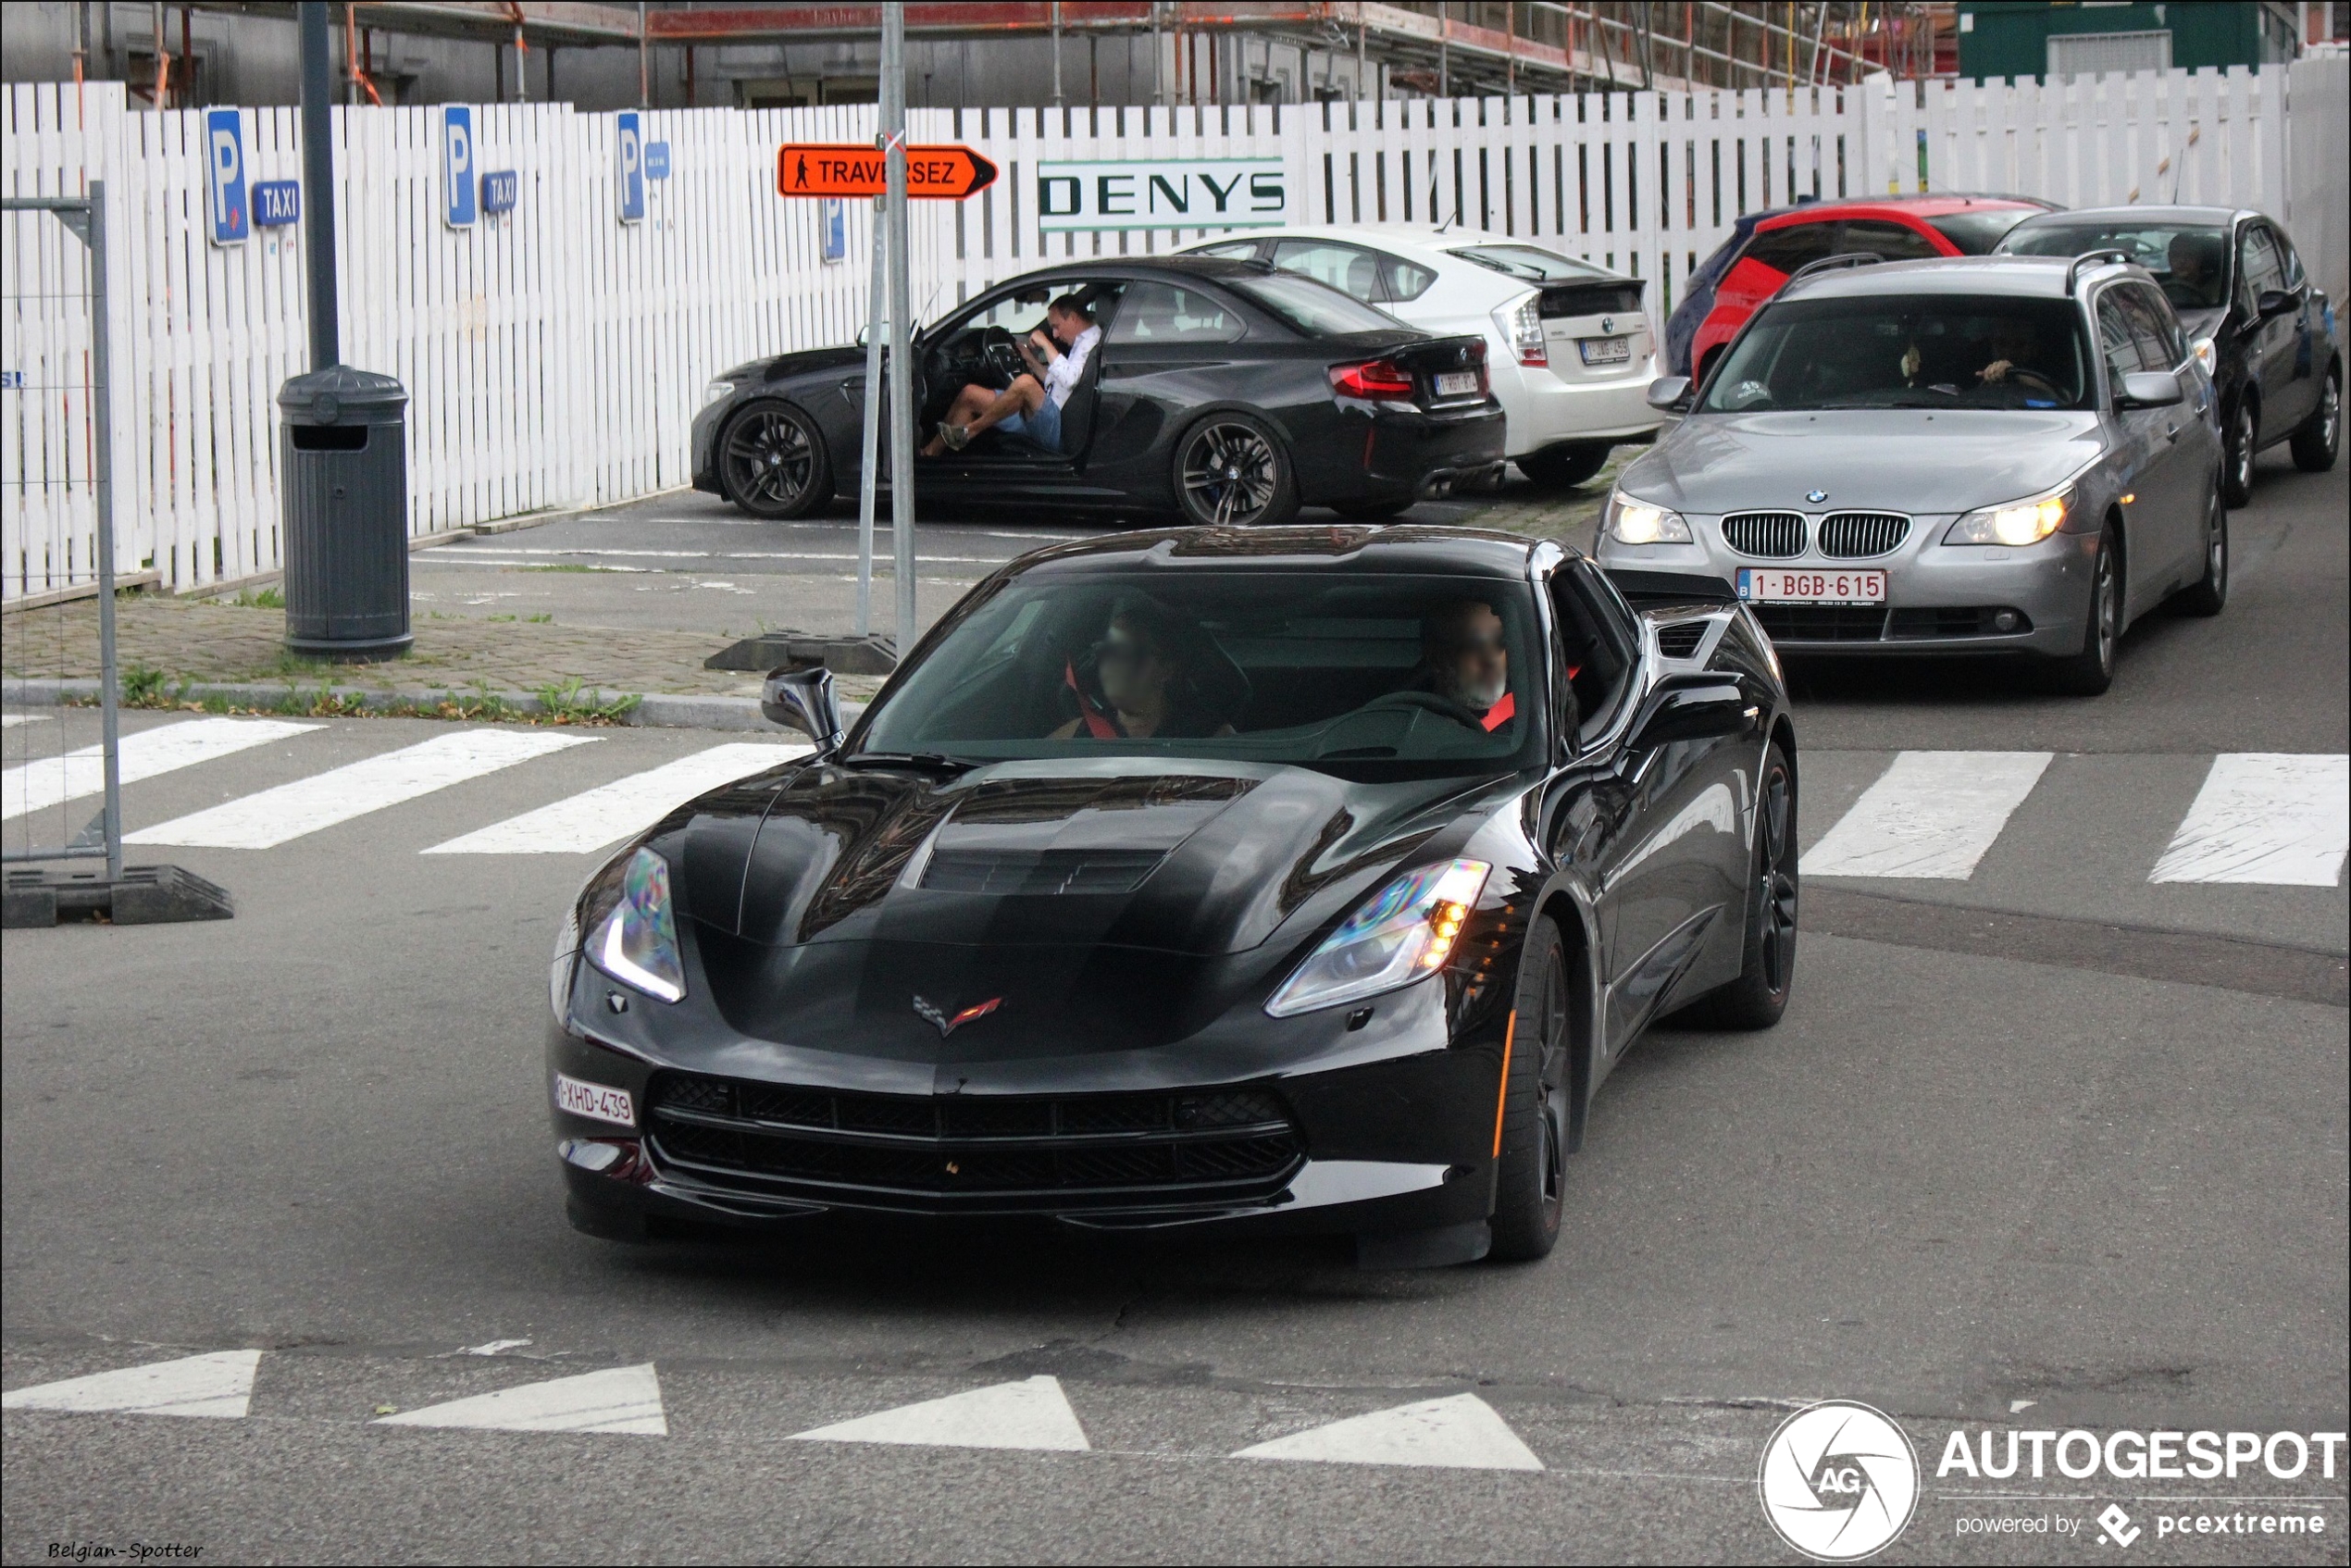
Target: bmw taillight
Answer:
[[1522, 325], [1373, 381]]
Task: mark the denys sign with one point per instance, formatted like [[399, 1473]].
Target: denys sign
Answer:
[[1161, 194]]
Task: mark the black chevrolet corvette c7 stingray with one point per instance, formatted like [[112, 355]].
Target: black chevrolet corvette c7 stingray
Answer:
[[1307, 878]]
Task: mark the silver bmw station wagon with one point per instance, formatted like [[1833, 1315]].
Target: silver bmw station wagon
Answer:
[[1969, 455]]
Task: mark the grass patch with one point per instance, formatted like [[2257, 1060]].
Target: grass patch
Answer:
[[143, 686], [568, 705], [259, 599], [540, 619]]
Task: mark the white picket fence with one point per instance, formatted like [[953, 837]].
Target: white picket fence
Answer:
[[555, 355]]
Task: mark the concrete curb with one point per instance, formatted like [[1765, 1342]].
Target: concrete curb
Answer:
[[654, 710]]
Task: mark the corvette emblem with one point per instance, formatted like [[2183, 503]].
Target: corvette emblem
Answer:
[[1816, 496], [947, 1023]]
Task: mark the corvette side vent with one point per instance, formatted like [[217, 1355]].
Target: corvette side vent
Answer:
[[1769, 535], [1040, 872], [1680, 639], [1853, 536]]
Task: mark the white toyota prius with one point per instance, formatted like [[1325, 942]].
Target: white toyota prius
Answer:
[[1569, 348]]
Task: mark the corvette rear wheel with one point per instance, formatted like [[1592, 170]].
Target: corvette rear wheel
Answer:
[[772, 462], [1231, 472], [1531, 1175], [1766, 973]]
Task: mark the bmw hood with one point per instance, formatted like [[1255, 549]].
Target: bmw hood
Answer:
[[1900, 460]]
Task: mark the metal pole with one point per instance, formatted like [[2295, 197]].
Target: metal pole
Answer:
[[644, 67], [901, 369], [869, 473], [1057, 54], [1444, 51], [318, 187], [101, 373]]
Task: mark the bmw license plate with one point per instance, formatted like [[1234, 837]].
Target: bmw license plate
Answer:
[[1760, 587], [1457, 383], [1605, 351]]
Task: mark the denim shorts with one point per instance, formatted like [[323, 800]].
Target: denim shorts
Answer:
[[1044, 426]]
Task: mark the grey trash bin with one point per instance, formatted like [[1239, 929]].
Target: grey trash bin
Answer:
[[344, 469]]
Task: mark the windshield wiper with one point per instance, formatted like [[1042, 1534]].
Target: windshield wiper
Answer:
[[928, 761]]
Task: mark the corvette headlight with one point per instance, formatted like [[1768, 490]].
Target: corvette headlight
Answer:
[[1637, 522], [716, 390], [1405, 930], [2017, 522], [637, 944]]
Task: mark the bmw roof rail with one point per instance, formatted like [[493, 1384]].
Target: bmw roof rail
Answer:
[[2092, 258], [1836, 262]]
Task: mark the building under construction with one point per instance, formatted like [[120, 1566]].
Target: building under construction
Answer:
[[973, 51]]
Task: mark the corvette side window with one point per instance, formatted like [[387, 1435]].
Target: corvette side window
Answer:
[[1595, 634]]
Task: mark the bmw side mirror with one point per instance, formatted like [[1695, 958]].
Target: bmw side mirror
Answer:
[[800, 697], [2148, 389], [2276, 302], [1691, 708], [1670, 393]]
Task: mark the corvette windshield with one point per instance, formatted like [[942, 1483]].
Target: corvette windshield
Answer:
[[1371, 677], [1935, 351]]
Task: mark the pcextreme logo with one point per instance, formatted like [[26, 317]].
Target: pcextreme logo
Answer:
[[1839, 1481]]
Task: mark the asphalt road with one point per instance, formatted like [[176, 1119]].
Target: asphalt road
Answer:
[[2045, 1146]]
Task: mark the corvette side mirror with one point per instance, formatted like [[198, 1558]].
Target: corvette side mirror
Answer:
[[2147, 389], [1671, 394], [800, 697], [1691, 708]]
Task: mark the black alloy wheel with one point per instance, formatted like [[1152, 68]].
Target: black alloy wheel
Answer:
[[2091, 671], [2240, 447], [1563, 467], [1530, 1186], [2320, 437], [772, 462], [2209, 595], [1231, 472], [1767, 974]]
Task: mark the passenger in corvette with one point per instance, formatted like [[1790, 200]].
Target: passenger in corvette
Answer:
[[1150, 670], [1465, 659], [1032, 406]]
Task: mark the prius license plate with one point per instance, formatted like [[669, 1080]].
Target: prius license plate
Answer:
[[1457, 383], [1812, 588], [1605, 351]]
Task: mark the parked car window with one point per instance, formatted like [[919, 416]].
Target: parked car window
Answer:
[[2260, 264], [1405, 279], [1977, 231], [1532, 263], [1162, 313], [1015, 313], [2150, 324], [2191, 260], [1785, 250], [2286, 254], [1348, 268], [1235, 250], [1892, 241], [1314, 308], [1907, 350], [2114, 338]]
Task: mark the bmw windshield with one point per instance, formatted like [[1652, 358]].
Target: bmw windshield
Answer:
[[1932, 351], [1367, 677]]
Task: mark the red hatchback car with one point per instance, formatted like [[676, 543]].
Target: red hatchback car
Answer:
[[1768, 248]]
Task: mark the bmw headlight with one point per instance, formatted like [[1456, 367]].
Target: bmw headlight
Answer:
[[1405, 930], [636, 942], [1637, 522], [2017, 522], [716, 390]]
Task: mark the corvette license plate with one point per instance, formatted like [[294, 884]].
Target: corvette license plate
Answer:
[[1457, 383], [597, 1101], [1812, 588], [1605, 351]]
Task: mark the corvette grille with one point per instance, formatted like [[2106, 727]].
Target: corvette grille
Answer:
[[1769, 535], [974, 1150], [1853, 536]]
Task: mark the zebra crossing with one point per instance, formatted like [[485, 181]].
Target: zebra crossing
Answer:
[[1036, 1414], [2275, 819]]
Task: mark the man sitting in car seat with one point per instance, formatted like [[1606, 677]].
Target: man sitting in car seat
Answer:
[[1466, 661], [1032, 406]]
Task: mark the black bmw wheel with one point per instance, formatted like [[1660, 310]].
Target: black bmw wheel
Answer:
[[1231, 471], [2091, 671], [772, 462], [1767, 974], [2320, 437], [2210, 594], [2239, 443], [1531, 1175]]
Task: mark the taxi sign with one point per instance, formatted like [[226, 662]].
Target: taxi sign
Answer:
[[848, 169]]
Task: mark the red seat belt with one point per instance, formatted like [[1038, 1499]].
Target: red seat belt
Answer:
[[1098, 724], [1501, 713]]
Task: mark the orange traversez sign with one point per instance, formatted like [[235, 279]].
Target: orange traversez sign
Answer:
[[848, 170]]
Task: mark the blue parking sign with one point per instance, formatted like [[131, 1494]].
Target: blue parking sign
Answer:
[[224, 156], [656, 160], [631, 168], [832, 223], [458, 204]]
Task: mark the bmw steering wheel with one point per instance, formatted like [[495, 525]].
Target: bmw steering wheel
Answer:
[[999, 354]]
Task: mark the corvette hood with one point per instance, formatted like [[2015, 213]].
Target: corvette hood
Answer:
[[1901, 460]]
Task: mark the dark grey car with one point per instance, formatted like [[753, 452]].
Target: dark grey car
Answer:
[[1969, 455]]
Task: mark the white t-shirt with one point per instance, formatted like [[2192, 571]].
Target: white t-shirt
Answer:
[[1060, 375]]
